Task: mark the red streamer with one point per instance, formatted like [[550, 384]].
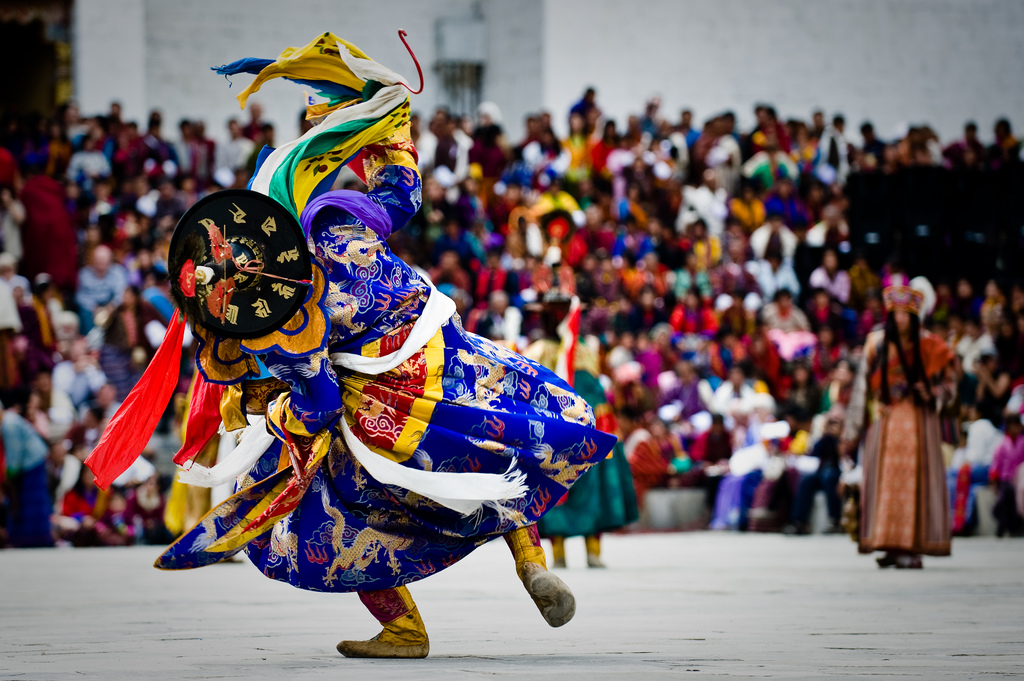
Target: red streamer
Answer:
[[203, 420], [132, 426]]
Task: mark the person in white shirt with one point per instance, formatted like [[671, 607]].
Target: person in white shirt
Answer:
[[708, 201], [773, 235], [79, 376], [88, 165], [734, 394], [973, 345], [834, 151], [235, 153]]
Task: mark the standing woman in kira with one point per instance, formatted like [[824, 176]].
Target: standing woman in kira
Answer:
[[904, 381]]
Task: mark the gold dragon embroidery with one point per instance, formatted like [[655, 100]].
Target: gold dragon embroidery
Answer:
[[343, 307], [357, 252], [486, 391], [363, 551]]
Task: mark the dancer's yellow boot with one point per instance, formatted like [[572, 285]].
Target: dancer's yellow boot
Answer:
[[594, 551], [553, 598], [404, 635], [558, 552]]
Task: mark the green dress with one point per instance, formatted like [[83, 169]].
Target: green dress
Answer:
[[603, 498]]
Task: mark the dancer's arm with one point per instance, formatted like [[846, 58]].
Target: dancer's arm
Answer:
[[315, 398]]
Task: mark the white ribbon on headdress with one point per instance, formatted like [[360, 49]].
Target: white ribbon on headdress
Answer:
[[367, 69], [377, 106]]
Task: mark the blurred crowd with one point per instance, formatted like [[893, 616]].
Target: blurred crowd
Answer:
[[719, 278]]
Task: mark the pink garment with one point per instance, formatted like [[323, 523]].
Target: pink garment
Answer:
[[792, 344], [838, 288], [1008, 458], [1018, 485]]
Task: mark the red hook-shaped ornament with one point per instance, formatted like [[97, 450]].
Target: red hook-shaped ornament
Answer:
[[401, 36]]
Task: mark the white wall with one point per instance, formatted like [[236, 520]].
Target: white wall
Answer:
[[186, 37], [893, 61], [513, 76], [109, 56], [940, 61], [158, 53]]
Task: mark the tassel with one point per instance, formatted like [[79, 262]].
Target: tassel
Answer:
[[203, 418], [131, 427]]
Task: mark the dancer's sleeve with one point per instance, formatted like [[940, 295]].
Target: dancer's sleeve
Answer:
[[391, 172], [314, 401], [399, 192]]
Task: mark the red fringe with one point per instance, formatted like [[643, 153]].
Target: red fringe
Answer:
[[203, 418], [129, 430]]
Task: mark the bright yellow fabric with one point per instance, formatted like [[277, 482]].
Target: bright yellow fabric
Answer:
[[307, 63], [524, 550]]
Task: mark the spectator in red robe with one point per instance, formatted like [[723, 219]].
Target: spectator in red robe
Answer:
[[48, 237]]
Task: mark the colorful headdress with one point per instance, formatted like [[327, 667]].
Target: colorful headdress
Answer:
[[368, 104], [902, 298]]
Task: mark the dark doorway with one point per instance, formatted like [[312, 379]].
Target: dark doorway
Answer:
[[30, 82]]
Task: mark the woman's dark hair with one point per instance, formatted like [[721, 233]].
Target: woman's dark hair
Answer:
[[913, 374]]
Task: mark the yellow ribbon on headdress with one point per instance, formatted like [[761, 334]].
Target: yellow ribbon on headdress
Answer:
[[308, 63]]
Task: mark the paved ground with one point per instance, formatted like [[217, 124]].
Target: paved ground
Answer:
[[697, 605]]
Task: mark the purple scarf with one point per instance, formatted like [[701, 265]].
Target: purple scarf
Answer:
[[356, 204]]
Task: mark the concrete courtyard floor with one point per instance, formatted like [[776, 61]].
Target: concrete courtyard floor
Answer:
[[697, 605]]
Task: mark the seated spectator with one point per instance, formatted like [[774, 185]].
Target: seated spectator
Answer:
[[774, 275], [101, 286], [839, 386], [693, 316], [774, 238], [873, 315], [646, 461], [969, 470], [88, 164], [684, 391], [691, 276], [975, 342], [79, 376], [735, 393], [748, 208], [707, 248], [132, 333], [500, 322], [782, 315], [59, 409], [1005, 464], [993, 387], [863, 280], [822, 312], [144, 513], [785, 202], [706, 202], [803, 399], [825, 479], [830, 278], [23, 461], [450, 271]]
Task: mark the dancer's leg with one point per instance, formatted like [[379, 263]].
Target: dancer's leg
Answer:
[[558, 552], [552, 597], [594, 551], [404, 634]]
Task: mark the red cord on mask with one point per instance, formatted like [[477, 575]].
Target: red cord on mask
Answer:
[[401, 35]]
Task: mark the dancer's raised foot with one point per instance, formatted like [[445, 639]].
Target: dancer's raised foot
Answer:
[[553, 598]]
